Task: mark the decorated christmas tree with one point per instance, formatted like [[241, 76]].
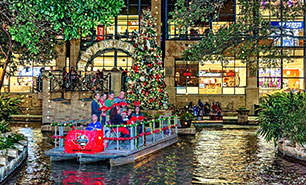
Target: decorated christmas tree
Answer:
[[145, 82]]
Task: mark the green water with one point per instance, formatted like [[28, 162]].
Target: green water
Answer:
[[232, 155]]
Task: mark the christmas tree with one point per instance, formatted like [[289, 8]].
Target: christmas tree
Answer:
[[146, 78]]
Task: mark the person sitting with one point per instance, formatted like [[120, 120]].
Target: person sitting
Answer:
[[116, 119], [129, 113], [124, 116], [137, 112], [95, 124]]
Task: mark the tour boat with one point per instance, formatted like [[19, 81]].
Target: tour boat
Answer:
[[86, 146]]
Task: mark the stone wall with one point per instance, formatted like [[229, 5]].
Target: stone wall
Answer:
[[78, 107], [31, 105], [293, 151]]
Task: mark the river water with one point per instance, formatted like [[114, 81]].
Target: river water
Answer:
[[232, 155]]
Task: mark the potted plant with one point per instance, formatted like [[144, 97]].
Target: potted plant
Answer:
[[186, 119], [243, 115]]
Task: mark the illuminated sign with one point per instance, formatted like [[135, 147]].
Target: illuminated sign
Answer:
[[288, 25]]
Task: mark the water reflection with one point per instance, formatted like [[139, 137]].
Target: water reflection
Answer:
[[170, 166], [229, 155]]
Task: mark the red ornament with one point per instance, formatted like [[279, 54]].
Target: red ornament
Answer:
[[151, 100], [137, 69], [157, 78], [145, 84]]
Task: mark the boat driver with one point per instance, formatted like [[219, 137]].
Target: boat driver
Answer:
[[95, 124]]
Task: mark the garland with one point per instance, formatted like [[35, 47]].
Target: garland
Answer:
[[140, 135]]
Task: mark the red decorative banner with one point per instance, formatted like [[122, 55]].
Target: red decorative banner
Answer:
[[100, 32], [84, 141]]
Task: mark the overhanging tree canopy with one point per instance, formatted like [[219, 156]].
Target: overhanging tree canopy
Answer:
[[246, 38], [29, 27]]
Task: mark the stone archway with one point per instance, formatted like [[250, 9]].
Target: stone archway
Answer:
[[90, 53]]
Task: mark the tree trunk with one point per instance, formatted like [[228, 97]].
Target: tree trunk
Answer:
[[7, 61]]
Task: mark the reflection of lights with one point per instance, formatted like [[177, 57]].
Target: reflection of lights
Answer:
[[48, 117]]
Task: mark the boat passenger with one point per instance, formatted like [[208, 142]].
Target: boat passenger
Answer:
[[138, 113], [95, 124], [108, 103], [120, 98], [129, 113], [116, 119], [124, 116], [103, 114], [95, 105]]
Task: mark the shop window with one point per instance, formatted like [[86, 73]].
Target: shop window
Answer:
[[112, 59], [293, 68], [293, 83], [213, 78], [292, 30]]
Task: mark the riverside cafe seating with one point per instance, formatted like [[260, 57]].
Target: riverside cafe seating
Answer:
[[88, 146]]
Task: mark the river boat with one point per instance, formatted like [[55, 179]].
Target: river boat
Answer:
[[145, 137]]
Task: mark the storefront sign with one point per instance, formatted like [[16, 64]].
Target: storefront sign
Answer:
[[210, 74], [288, 25]]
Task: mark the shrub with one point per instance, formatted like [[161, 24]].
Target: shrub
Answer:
[[283, 115], [4, 127], [9, 106], [8, 142]]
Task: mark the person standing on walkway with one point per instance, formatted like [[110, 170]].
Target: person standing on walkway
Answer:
[[95, 105], [108, 103]]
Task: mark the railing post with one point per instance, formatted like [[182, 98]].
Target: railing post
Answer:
[[161, 128], [55, 135], [175, 123], [132, 135], [169, 125], [117, 138], [61, 134], [143, 131], [153, 130]]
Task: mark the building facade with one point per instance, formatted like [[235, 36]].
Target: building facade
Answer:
[[231, 84]]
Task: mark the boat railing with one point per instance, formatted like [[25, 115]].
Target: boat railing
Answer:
[[59, 135], [158, 128]]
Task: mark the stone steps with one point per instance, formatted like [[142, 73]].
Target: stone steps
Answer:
[[27, 118]]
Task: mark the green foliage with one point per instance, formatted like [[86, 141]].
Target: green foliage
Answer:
[[8, 142], [185, 115], [283, 115], [186, 15], [30, 28], [157, 115], [4, 127], [146, 78], [244, 39], [9, 106]]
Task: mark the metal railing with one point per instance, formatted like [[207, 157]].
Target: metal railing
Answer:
[[158, 128], [140, 132], [79, 81], [59, 135]]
